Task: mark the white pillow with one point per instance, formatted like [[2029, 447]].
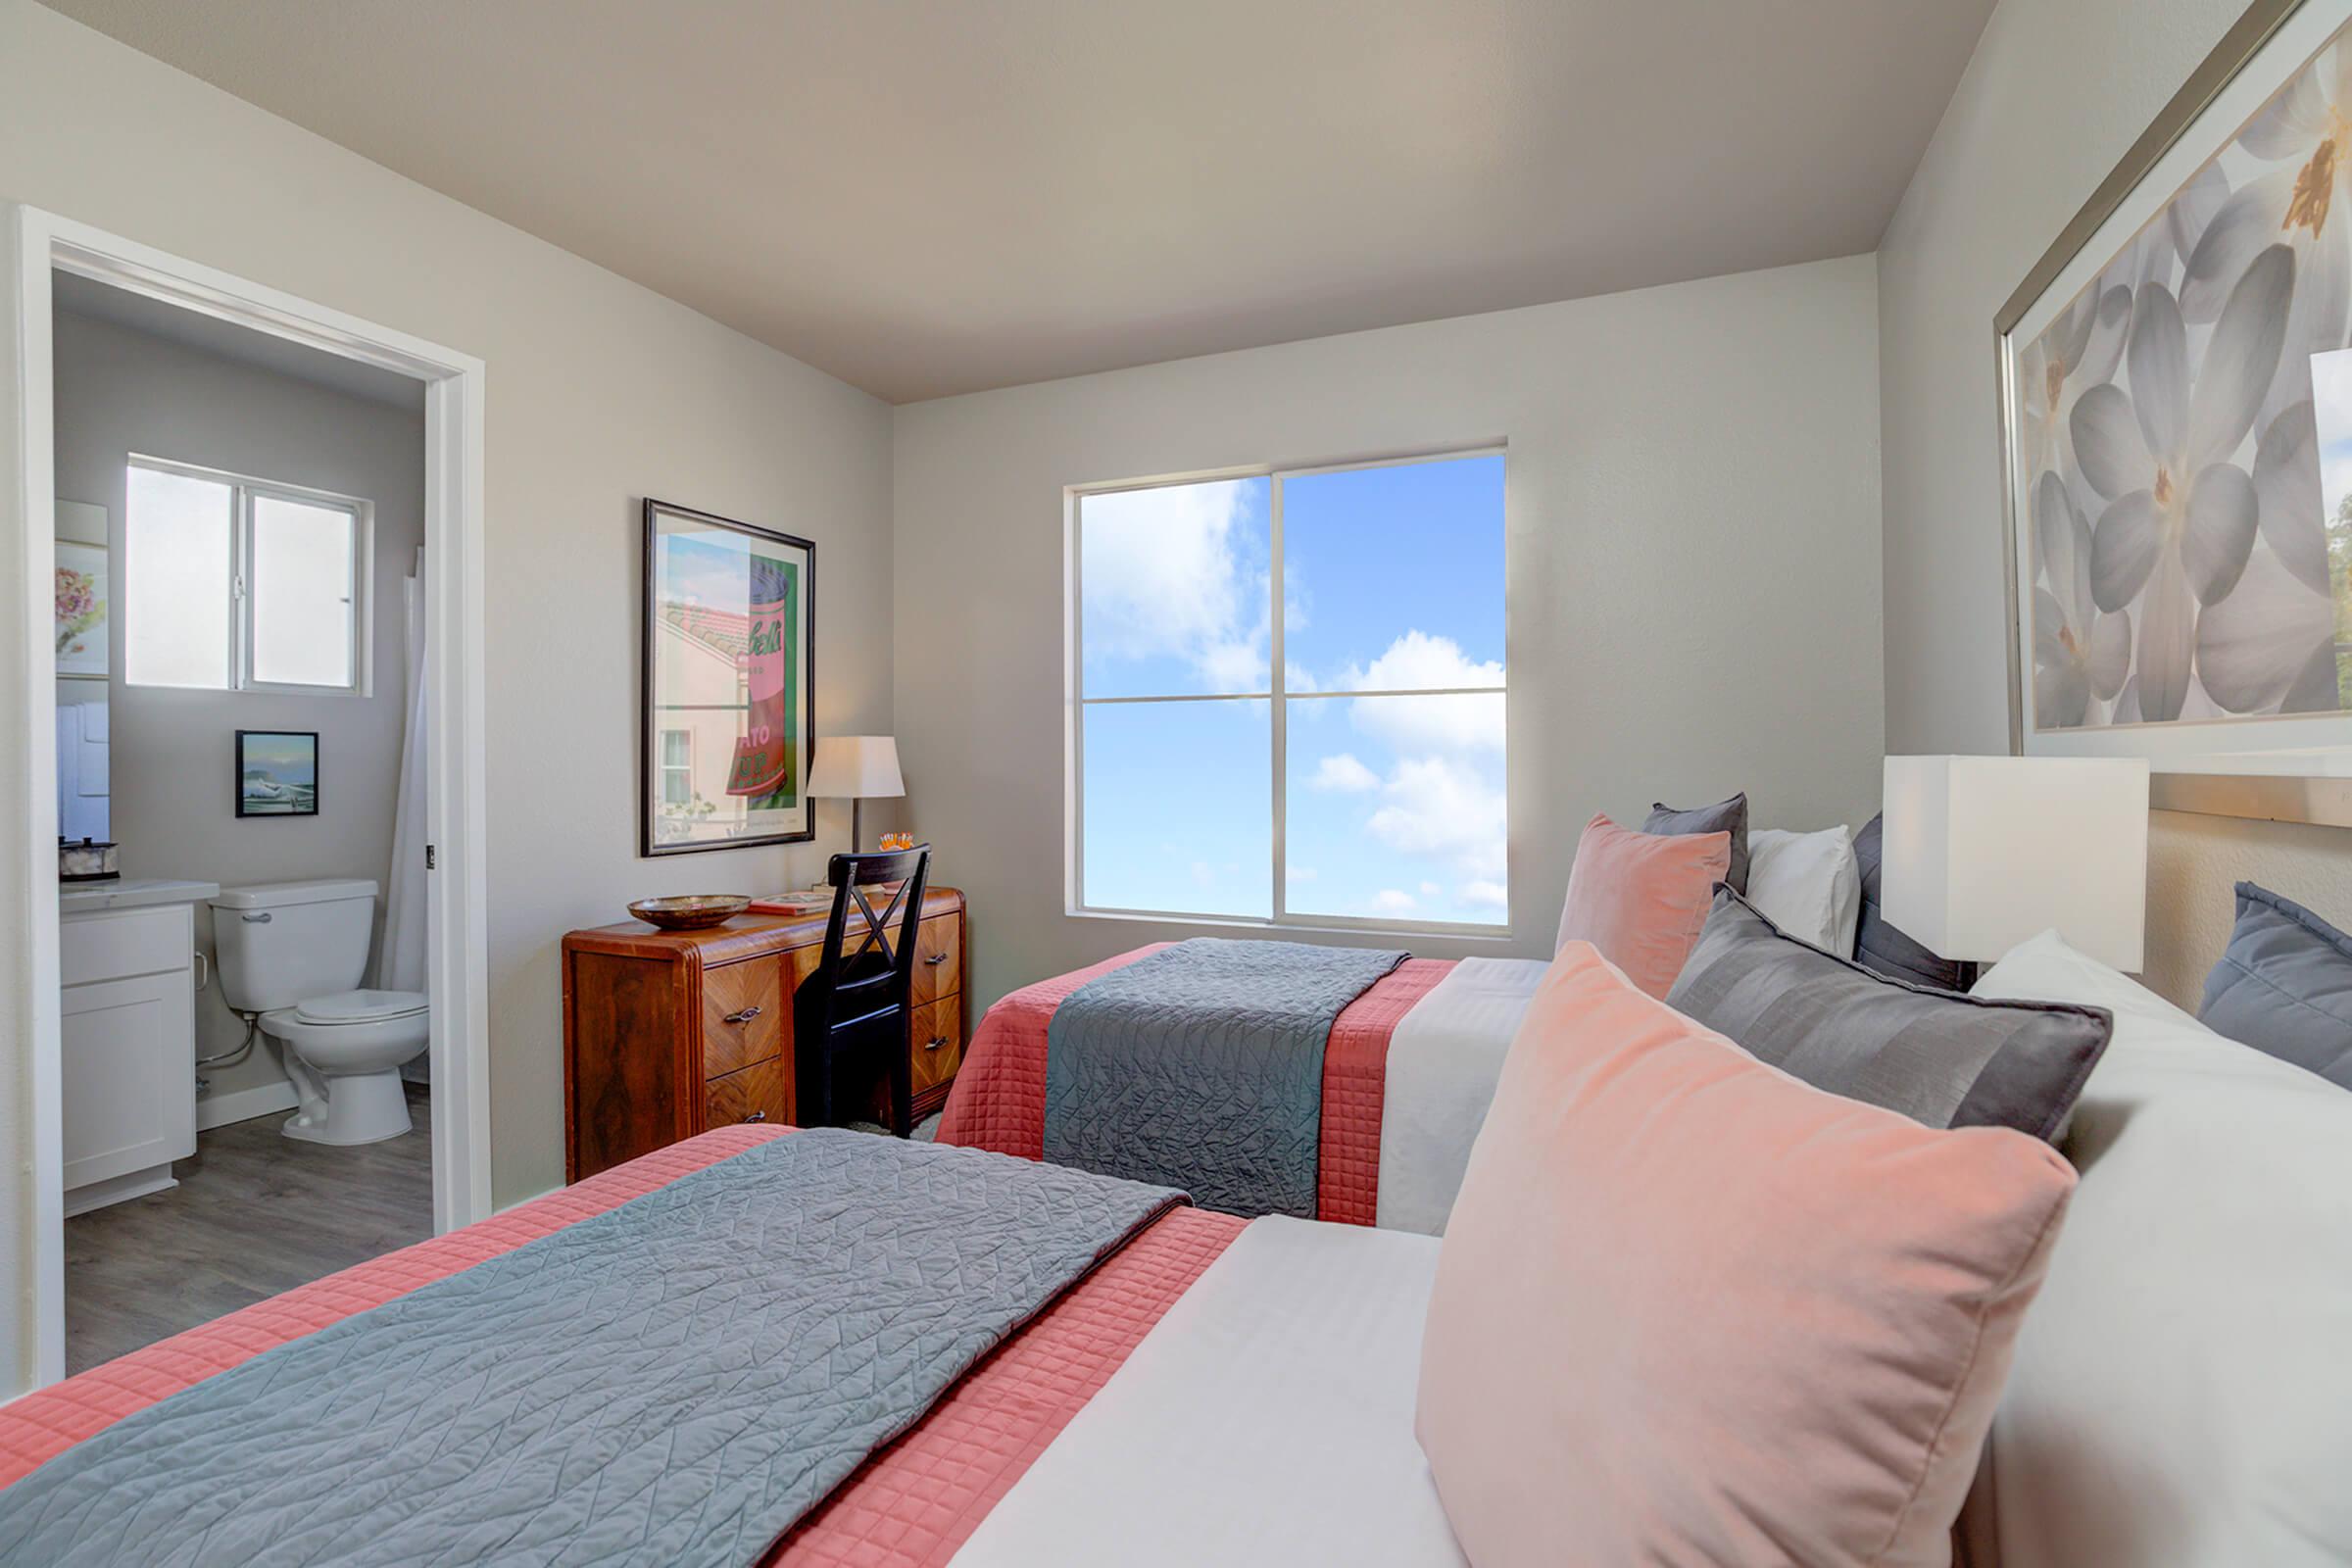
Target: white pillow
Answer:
[[2182, 1391], [1808, 884]]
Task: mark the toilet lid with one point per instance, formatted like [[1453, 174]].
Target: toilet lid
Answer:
[[361, 1007]]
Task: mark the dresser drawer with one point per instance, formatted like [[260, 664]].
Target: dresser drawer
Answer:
[[755, 1093], [938, 958], [743, 1014], [937, 1042]]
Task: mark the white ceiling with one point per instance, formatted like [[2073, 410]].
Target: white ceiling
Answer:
[[929, 198]]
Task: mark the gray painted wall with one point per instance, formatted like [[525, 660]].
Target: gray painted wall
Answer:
[[2057, 92], [120, 391], [600, 392], [1692, 517]]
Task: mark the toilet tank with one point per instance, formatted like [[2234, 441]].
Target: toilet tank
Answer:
[[281, 943]]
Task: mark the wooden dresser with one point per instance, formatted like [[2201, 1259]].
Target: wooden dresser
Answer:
[[670, 1032]]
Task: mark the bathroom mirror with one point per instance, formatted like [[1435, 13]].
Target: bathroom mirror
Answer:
[[85, 599]]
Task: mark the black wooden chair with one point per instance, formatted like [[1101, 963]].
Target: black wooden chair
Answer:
[[856, 1004]]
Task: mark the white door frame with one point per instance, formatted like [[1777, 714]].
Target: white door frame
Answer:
[[455, 791]]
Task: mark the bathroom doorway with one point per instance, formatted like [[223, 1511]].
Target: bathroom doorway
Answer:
[[281, 768]]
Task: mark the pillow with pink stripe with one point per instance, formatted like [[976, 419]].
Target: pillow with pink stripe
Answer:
[[1691, 1309], [1642, 897]]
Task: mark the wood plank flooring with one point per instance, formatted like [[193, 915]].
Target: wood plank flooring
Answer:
[[256, 1212]]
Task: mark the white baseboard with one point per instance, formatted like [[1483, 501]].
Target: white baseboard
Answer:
[[119, 1189], [220, 1110]]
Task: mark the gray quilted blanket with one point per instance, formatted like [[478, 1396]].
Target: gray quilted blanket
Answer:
[[1201, 1065], [673, 1381]]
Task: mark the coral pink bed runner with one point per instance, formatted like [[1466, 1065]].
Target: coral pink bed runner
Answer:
[[999, 1101]]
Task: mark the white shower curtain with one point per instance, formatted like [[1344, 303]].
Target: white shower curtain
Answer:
[[402, 964]]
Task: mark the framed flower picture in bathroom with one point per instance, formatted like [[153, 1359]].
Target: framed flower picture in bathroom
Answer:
[[277, 772], [82, 592], [2176, 395]]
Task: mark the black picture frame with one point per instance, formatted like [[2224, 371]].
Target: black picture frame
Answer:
[[302, 798], [654, 838]]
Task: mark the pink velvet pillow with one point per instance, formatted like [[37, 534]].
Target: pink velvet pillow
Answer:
[[1691, 1309], [1642, 898]]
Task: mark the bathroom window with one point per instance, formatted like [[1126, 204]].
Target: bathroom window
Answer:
[[678, 767], [240, 584]]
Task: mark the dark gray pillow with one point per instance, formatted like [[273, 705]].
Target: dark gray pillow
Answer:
[[1724, 816], [1882, 948], [1942, 1060], [2284, 985]]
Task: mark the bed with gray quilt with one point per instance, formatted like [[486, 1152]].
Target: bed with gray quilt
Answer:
[[676, 1380]]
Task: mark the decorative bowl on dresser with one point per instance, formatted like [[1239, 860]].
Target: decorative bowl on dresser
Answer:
[[670, 1032]]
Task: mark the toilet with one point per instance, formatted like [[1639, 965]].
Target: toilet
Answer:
[[292, 955]]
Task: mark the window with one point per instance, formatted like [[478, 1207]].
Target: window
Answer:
[[678, 767], [240, 584], [1338, 761]]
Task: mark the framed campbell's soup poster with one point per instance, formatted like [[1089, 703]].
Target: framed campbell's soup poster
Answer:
[[728, 722]]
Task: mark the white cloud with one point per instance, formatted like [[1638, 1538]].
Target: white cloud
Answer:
[[1299, 873], [1392, 901], [1430, 890], [1164, 578], [1437, 807], [1235, 664], [1486, 894], [1343, 773], [1419, 662]]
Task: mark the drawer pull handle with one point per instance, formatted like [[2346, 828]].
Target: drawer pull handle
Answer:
[[935, 960], [746, 1016], [935, 1041], [756, 1115]]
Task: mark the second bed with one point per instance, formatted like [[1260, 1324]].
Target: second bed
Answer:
[[1408, 1070]]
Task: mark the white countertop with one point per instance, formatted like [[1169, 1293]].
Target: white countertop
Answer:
[[129, 892]]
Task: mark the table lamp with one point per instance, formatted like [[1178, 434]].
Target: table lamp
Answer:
[[856, 767], [1983, 851]]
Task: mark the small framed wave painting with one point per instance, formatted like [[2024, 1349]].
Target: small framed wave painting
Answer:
[[277, 772]]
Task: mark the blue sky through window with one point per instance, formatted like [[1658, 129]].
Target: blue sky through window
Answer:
[[1394, 807]]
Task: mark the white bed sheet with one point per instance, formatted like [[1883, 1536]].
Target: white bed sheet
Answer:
[[1442, 1061], [1267, 1419]]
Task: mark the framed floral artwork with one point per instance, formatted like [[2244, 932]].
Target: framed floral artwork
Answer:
[[83, 596], [2176, 391], [727, 728]]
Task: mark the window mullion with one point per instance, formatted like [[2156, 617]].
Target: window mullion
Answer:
[[1279, 684], [241, 588]]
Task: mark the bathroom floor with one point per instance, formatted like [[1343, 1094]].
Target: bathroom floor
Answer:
[[255, 1213]]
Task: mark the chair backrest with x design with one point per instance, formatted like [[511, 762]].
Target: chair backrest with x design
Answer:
[[858, 998]]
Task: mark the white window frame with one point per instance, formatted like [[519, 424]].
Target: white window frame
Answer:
[[1278, 699], [663, 768], [244, 491]]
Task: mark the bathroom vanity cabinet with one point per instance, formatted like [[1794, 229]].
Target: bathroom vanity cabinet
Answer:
[[126, 958]]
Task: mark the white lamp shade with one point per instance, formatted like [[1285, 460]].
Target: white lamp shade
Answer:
[[1983, 851], [856, 767]]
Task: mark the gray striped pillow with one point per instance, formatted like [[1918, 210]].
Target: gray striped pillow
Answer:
[[1941, 1058]]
